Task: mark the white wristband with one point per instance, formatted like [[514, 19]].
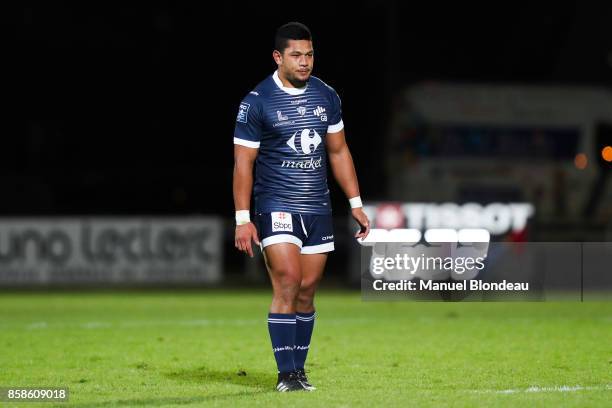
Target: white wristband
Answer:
[[243, 217], [355, 202]]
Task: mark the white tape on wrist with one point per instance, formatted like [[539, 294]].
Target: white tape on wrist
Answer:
[[243, 217], [355, 202]]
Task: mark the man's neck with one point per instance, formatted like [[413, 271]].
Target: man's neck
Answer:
[[288, 84]]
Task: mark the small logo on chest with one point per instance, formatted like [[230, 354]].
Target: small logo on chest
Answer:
[[281, 117], [320, 112]]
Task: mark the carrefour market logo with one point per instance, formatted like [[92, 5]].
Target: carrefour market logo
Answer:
[[307, 140], [308, 143]]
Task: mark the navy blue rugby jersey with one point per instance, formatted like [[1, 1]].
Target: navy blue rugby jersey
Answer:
[[289, 127]]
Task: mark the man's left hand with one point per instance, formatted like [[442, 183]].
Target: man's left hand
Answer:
[[364, 223]]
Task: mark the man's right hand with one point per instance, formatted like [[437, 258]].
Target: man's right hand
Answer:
[[244, 234]]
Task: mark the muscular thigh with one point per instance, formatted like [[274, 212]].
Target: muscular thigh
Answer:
[[312, 267], [283, 263]]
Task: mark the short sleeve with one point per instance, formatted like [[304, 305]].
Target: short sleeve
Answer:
[[335, 117], [248, 122]]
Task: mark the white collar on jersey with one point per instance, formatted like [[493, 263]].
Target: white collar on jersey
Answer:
[[290, 91]]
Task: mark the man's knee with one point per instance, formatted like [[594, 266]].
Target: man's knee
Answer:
[[308, 286], [306, 293], [287, 282]]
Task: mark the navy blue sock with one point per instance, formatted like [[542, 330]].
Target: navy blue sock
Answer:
[[303, 333], [282, 333]]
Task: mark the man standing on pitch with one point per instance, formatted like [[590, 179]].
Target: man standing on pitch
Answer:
[[288, 127]]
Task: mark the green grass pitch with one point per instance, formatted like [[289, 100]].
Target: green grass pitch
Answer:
[[211, 348]]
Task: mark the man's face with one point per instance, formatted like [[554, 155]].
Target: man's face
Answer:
[[296, 61]]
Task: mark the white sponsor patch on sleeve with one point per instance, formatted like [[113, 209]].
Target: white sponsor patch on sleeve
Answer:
[[243, 112], [281, 221]]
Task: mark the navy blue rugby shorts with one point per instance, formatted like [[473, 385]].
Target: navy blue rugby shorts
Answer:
[[313, 233]]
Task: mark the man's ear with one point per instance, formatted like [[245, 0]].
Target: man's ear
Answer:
[[278, 57]]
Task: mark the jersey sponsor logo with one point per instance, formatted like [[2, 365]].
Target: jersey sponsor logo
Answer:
[[282, 221], [311, 163], [298, 101], [320, 112], [254, 93], [284, 123], [281, 117], [243, 112], [301, 110], [327, 238], [306, 141], [283, 120]]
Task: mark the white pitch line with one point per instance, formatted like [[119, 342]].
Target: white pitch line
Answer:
[[559, 388], [37, 325]]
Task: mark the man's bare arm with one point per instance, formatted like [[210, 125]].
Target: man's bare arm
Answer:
[[244, 160], [343, 168], [341, 163]]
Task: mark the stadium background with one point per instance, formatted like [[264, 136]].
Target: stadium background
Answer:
[[130, 110], [121, 114]]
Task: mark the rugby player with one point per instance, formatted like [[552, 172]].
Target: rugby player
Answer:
[[288, 127]]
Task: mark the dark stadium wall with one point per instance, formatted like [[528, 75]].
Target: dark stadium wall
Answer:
[[130, 109]]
